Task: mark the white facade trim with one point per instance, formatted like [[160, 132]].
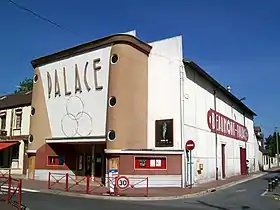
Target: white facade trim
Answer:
[[31, 151], [162, 152], [75, 140]]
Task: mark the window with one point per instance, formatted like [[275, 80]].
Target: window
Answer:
[[54, 160], [3, 122], [164, 133], [150, 163], [18, 120]]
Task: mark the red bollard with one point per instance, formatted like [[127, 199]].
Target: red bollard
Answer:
[[115, 185], [88, 184], [19, 193], [9, 188], [147, 187], [66, 184]]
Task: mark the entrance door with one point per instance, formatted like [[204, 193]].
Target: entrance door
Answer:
[[223, 161], [242, 161], [98, 165], [31, 166]]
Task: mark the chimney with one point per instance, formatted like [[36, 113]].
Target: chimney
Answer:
[[228, 88]]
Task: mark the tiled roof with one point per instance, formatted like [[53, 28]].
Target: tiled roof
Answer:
[[216, 84], [15, 100]]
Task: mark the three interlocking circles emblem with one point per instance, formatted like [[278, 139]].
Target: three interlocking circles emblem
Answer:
[[76, 122]]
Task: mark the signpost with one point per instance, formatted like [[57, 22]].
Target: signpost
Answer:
[[122, 182], [190, 145], [113, 173]]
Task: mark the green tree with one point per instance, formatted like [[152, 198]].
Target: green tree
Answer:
[[25, 85], [270, 144]]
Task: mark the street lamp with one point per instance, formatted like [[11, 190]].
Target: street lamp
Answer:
[[277, 145]]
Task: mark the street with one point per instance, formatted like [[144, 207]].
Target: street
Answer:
[[247, 195]]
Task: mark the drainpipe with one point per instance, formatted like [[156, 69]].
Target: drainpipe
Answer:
[[216, 136], [182, 115], [244, 123]]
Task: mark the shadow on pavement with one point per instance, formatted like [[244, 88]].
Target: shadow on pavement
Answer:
[[213, 206], [219, 207], [273, 172]]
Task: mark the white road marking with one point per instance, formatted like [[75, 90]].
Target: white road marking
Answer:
[[242, 190], [264, 193], [3, 188]]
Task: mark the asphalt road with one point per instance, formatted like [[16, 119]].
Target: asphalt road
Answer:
[[243, 196]]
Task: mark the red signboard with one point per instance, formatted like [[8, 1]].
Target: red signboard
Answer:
[[226, 126], [150, 163], [190, 145]]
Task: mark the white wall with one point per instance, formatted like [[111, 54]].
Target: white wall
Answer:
[[269, 162], [82, 113], [11, 121], [24, 123], [164, 65], [199, 99], [17, 166]]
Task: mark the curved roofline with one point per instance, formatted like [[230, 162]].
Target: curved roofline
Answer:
[[93, 45]]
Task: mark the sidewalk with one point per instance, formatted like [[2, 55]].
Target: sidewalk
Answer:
[[171, 193], [6, 206]]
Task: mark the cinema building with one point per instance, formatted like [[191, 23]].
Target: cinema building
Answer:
[[124, 104]]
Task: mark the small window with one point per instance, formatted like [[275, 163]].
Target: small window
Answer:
[[111, 135], [112, 101], [164, 133], [32, 111], [114, 59], [30, 138], [56, 160], [3, 122], [35, 78], [18, 120]]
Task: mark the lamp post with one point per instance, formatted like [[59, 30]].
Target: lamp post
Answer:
[[277, 145]]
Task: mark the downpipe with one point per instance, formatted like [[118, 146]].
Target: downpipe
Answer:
[[182, 115], [216, 136]]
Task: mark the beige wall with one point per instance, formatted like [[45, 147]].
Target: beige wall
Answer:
[[129, 84]]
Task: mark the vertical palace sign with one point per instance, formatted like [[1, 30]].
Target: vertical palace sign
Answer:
[[226, 126]]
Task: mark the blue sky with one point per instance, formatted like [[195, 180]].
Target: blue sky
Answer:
[[237, 42]]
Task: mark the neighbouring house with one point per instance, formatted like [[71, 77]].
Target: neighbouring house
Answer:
[[120, 104], [14, 131], [262, 156]]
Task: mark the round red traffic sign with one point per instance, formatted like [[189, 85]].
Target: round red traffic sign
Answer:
[[122, 182], [190, 145]]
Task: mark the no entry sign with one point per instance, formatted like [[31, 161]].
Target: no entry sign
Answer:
[[190, 145]]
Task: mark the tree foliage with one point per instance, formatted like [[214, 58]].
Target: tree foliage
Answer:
[[25, 85], [270, 144]]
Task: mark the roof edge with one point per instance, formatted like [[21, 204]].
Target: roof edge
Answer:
[[196, 67], [92, 45]]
